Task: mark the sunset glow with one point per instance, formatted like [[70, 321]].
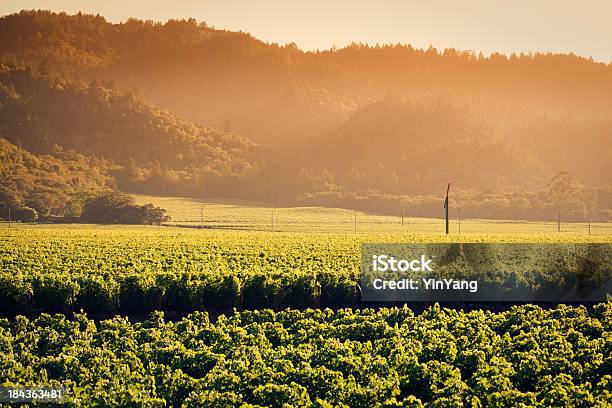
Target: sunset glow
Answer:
[[481, 25]]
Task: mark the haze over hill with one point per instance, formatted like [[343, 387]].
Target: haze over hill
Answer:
[[415, 146], [116, 137], [376, 128], [280, 95]]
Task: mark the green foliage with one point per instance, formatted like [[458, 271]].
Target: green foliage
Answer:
[[54, 293], [316, 358], [222, 292], [261, 290], [36, 187], [182, 292], [15, 292], [139, 293], [134, 270], [300, 290], [336, 289], [119, 135], [119, 208], [97, 294]]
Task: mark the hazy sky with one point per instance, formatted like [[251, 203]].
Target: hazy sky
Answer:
[[583, 27]]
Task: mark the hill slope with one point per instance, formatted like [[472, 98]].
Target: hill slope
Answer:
[[50, 185], [377, 128], [61, 138], [280, 95], [154, 149], [387, 155], [416, 146]]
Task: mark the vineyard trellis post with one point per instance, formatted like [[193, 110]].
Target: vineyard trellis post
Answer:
[[446, 207], [459, 220], [9, 216], [589, 217], [402, 216], [558, 221]]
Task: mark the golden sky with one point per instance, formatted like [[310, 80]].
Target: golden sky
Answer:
[[583, 27]]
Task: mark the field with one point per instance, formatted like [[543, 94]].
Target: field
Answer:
[[327, 353], [318, 358], [244, 215], [137, 269]]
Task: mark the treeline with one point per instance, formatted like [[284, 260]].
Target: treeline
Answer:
[[39, 112], [280, 94], [118, 208], [389, 155], [576, 205], [35, 187]]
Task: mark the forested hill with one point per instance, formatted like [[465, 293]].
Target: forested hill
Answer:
[[416, 146], [65, 139], [127, 141], [281, 95], [48, 184], [124, 106]]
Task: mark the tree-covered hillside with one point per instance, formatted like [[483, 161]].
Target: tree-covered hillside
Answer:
[[281, 95], [373, 128], [34, 186], [143, 147], [388, 155], [416, 146]]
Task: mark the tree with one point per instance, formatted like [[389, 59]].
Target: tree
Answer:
[[27, 214], [118, 208]]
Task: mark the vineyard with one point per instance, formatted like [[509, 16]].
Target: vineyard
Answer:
[[365, 358], [108, 270], [282, 214], [253, 216], [283, 328]]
